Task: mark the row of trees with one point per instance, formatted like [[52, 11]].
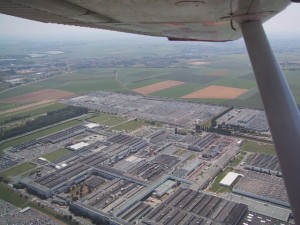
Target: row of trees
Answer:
[[50, 118], [214, 128], [217, 130]]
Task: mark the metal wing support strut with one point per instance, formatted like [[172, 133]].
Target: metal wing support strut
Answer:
[[281, 108]]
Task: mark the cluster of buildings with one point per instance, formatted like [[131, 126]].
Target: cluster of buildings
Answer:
[[153, 175], [250, 119]]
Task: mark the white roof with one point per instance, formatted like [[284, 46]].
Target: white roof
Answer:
[[43, 159], [91, 125], [25, 209], [78, 145], [229, 179], [133, 159]]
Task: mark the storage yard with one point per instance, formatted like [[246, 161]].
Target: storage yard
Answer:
[[176, 112]]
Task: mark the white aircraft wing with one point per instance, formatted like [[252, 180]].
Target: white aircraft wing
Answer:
[[202, 20]]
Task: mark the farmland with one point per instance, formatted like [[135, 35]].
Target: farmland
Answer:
[[46, 94], [218, 92], [157, 87], [112, 66]]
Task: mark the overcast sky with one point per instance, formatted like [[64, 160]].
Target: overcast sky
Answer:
[[285, 23]]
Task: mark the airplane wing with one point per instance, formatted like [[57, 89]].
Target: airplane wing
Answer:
[[199, 20]]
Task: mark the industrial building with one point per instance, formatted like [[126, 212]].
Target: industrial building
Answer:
[[63, 135], [186, 206], [78, 146], [263, 163], [262, 186], [229, 179], [250, 119]]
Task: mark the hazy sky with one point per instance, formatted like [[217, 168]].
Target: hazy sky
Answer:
[[285, 23]]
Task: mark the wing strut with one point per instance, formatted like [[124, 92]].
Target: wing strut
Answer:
[[281, 109]]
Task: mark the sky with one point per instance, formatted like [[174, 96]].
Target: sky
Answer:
[[285, 23]]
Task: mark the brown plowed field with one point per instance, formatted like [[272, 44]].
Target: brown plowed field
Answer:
[[199, 63], [214, 91], [47, 94], [157, 86]]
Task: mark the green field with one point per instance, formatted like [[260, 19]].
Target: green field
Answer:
[[237, 160], [9, 195], [7, 106], [129, 126], [17, 170], [107, 119], [235, 83], [83, 81], [52, 156], [24, 89], [38, 134], [252, 146]]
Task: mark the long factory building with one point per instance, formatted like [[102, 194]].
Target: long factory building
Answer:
[[184, 206]]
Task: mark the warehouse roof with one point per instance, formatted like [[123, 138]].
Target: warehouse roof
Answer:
[[229, 179], [91, 125], [78, 146]]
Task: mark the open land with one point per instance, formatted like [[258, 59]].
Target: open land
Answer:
[[157, 87], [43, 95], [25, 107], [199, 63], [52, 156], [217, 92]]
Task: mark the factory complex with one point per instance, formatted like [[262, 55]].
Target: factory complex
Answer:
[[160, 172]]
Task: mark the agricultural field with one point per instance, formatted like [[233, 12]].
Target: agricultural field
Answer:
[[38, 134], [17, 170], [157, 87], [9, 106], [218, 92], [42, 95], [107, 119], [52, 156], [197, 65], [178, 91]]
